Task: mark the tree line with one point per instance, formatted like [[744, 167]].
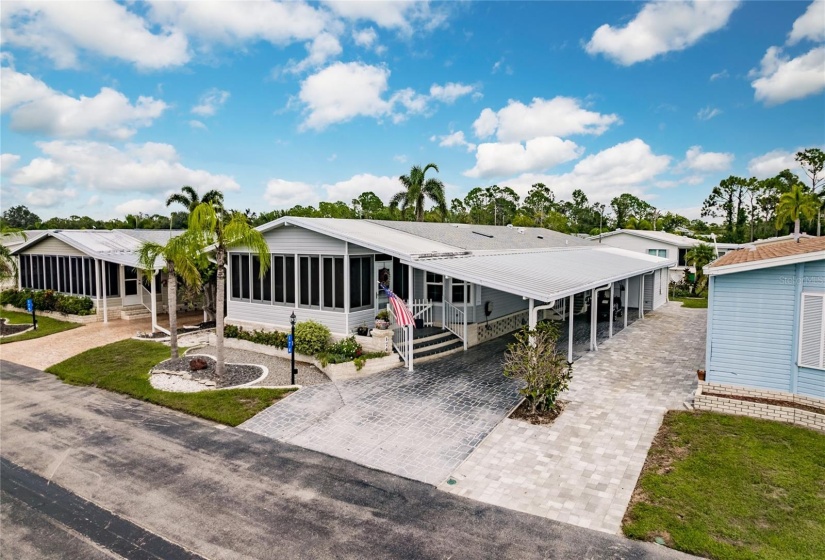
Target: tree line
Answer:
[[748, 208]]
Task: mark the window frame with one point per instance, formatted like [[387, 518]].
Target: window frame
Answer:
[[358, 264], [436, 283], [821, 297], [657, 253], [455, 283]]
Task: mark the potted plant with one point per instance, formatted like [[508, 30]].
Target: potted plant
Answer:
[[700, 373], [382, 320], [362, 330]]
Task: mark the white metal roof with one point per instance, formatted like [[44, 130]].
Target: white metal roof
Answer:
[[371, 235], [546, 275], [661, 236], [117, 246]]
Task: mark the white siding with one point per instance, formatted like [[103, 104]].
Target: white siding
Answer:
[[503, 303], [277, 316], [293, 239], [52, 246], [753, 329], [640, 245]]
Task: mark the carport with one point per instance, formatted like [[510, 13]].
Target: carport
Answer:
[[560, 283]]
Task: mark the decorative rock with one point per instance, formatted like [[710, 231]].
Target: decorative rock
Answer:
[[198, 364]]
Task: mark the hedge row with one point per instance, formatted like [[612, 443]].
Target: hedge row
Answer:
[[311, 339], [48, 300]]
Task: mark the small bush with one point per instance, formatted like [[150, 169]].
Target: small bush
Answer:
[[383, 315], [535, 359], [347, 347], [48, 300], [270, 338], [311, 338]]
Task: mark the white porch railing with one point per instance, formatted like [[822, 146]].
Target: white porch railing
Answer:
[[145, 296], [423, 309], [454, 320], [401, 338]]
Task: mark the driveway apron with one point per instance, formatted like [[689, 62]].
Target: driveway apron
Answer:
[[420, 425], [582, 469]]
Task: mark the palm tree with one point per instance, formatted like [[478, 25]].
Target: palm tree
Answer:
[[700, 256], [793, 205], [214, 230], [417, 188], [181, 255], [188, 198], [8, 264]]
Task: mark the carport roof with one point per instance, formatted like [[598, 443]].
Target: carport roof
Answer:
[[546, 275]]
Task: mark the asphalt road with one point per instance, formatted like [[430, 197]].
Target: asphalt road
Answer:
[[144, 474]]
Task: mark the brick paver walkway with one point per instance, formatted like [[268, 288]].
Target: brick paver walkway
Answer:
[[40, 353], [420, 425], [583, 468]]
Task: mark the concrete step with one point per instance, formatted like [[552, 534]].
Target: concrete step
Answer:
[[134, 312], [433, 339]]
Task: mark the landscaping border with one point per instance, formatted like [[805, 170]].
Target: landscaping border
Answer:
[[336, 372], [81, 319], [704, 401]]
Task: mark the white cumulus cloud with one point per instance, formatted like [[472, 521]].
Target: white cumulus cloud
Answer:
[[49, 198], [772, 163], [560, 116], [209, 103], [384, 187], [781, 78], [280, 193], [450, 91], [35, 107], [497, 159], [697, 160], [149, 167], [455, 139], [365, 37], [141, 206], [8, 162], [660, 27], [810, 25], [60, 31]]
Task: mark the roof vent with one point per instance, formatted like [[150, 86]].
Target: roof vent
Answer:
[[510, 226], [521, 230], [483, 234], [540, 236]]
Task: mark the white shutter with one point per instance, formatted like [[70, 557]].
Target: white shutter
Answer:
[[812, 335]]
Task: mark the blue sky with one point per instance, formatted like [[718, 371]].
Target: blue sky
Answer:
[[108, 107]]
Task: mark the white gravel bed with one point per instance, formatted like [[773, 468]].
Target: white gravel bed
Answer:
[[175, 383]]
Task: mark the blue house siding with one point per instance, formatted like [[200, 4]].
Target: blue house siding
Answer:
[[752, 322], [810, 381]]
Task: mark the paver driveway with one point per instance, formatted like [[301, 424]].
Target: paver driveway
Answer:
[[420, 425], [583, 468]]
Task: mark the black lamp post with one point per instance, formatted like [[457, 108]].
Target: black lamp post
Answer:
[[292, 350]]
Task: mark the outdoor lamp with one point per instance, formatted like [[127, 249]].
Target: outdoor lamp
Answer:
[[292, 371]]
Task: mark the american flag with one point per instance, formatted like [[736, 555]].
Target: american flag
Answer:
[[403, 316]]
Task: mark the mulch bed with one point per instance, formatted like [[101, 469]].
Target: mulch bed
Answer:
[[788, 404], [234, 374], [8, 330], [524, 414]]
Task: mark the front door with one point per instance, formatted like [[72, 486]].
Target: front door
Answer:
[[131, 286], [383, 273]]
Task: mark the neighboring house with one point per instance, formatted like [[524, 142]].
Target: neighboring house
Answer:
[[661, 244], [766, 321], [478, 282], [100, 264], [12, 241]]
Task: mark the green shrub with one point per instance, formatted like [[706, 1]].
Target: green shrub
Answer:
[[347, 347], [48, 300], [311, 338], [270, 338]]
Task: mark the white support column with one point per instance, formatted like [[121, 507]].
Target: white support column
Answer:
[[444, 284], [346, 285], [411, 294], [626, 294], [642, 296], [532, 319], [593, 319], [465, 315], [610, 335], [105, 295], [570, 331], [98, 285], [154, 301]]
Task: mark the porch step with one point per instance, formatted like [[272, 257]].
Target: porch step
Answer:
[[134, 313], [433, 343]]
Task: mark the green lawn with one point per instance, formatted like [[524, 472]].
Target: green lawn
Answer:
[[692, 302], [732, 487], [123, 367], [45, 326]]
